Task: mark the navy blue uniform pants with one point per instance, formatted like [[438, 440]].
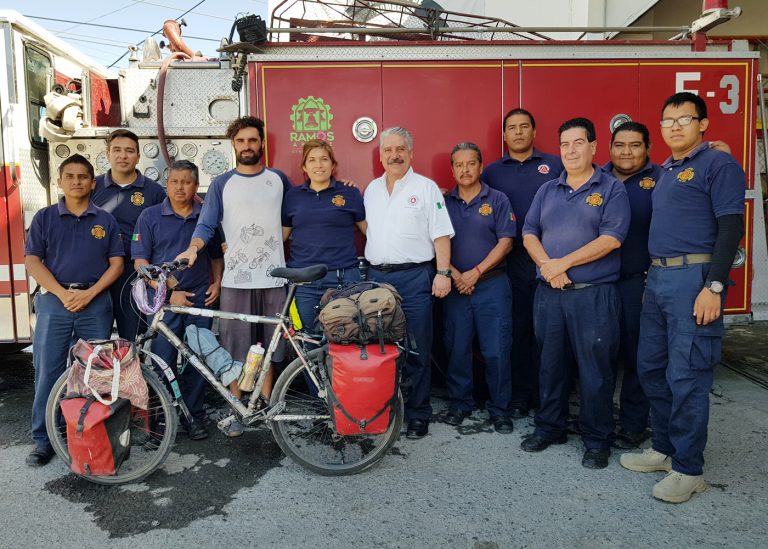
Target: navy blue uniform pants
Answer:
[[56, 331], [191, 383], [676, 361], [633, 404], [525, 356], [308, 295], [487, 313], [126, 314], [589, 320], [415, 287]]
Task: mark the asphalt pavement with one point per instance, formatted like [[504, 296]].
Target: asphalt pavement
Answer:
[[465, 487]]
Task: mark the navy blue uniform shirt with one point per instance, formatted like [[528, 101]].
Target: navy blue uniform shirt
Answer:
[[76, 249], [161, 234], [323, 224], [478, 225], [564, 220], [126, 203], [634, 250], [519, 181], [692, 193]]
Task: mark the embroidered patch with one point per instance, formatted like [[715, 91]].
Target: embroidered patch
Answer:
[[413, 200], [338, 201], [136, 237], [647, 183], [98, 232], [686, 175], [485, 209], [595, 199], [543, 169], [512, 216], [137, 199], [439, 205]]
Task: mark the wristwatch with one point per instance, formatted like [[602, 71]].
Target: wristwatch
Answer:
[[715, 287], [446, 272]]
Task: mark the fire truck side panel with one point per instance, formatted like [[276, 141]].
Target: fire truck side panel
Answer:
[[443, 104], [300, 102], [556, 90], [511, 100]]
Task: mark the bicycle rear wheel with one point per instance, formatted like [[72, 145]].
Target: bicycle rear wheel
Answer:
[[307, 436], [152, 432]]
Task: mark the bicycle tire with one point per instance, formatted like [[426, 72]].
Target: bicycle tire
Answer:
[[312, 442], [152, 432]]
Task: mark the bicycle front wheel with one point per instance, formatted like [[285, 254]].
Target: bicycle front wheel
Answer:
[[304, 428], [153, 432]]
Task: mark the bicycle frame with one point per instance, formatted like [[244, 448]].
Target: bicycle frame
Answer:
[[282, 330]]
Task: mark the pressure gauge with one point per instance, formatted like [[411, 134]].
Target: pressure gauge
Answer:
[[102, 162], [152, 173], [62, 151], [166, 171], [189, 150], [151, 150], [172, 149], [214, 162]]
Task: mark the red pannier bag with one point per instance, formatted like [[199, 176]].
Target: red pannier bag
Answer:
[[364, 387], [98, 435]]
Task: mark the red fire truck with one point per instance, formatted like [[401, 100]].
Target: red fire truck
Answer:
[[448, 81], [34, 62]]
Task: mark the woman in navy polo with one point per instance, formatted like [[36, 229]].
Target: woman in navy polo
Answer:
[[321, 215]]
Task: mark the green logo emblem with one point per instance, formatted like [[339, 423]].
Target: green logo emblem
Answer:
[[311, 119]]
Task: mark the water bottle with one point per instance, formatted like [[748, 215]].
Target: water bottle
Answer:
[[252, 366]]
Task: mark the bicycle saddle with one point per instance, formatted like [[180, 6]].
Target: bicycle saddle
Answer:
[[305, 274]]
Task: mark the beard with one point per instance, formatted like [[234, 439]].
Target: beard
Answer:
[[250, 160]]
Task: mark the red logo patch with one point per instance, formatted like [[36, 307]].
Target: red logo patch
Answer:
[[544, 169], [413, 199]]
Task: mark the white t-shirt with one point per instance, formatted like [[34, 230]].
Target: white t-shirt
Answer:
[[403, 226], [248, 207]]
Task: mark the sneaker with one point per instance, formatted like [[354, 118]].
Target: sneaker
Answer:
[[646, 462], [228, 423], [678, 488]]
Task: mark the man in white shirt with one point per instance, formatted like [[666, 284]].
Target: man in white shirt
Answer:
[[408, 229]]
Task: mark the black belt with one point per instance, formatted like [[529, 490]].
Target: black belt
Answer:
[[631, 276], [71, 286], [569, 287], [394, 267], [679, 261]]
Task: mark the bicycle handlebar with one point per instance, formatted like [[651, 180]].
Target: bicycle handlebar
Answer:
[[152, 272]]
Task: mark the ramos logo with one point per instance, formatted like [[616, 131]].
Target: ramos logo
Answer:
[[311, 118]]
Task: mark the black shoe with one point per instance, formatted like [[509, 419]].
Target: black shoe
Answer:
[[518, 412], [197, 430], [535, 443], [456, 417], [417, 428], [596, 458], [627, 440], [503, 424], [40, 455]]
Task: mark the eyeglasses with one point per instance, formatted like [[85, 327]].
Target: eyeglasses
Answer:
[[682, 121]]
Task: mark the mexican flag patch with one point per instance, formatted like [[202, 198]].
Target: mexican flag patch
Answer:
[[136, 237]]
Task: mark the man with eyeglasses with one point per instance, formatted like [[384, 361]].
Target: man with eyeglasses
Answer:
[[696, 226]]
